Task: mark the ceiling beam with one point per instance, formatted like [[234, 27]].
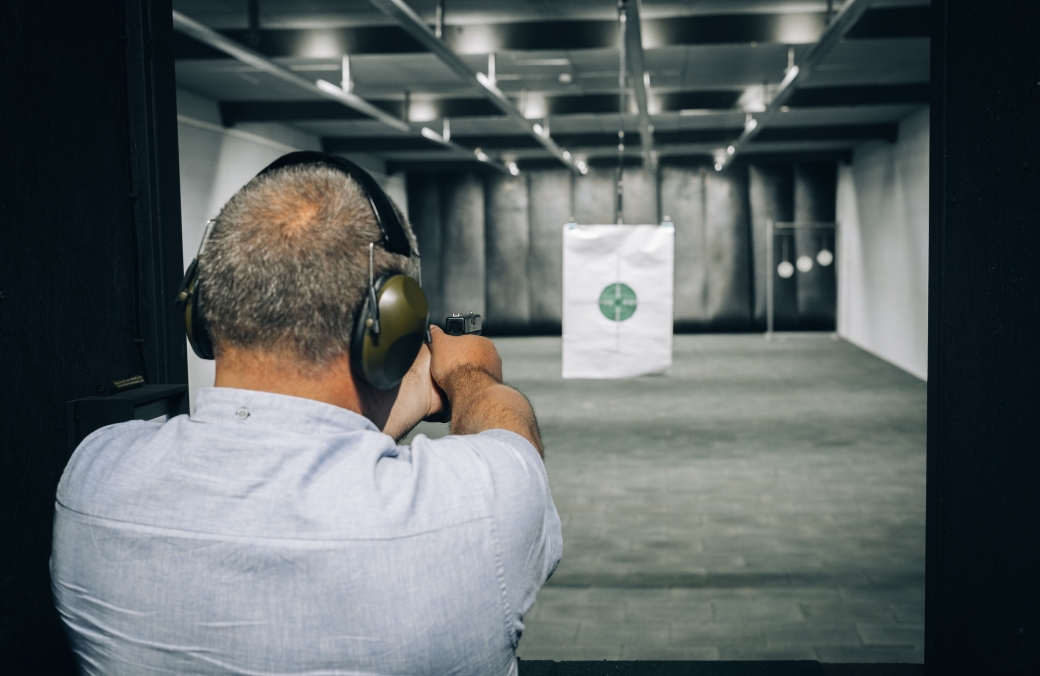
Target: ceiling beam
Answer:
[[684, 160], [210, 37], [701, 101], [850, 13], [852, 133], [419, 31], [326, 90], [633, 32], [710, 29]]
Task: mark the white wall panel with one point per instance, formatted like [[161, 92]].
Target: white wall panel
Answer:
[[883, 210]]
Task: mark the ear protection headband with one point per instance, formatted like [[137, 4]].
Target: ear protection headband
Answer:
[[394, 318]]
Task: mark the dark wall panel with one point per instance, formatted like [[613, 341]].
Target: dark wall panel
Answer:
[[90, 218], [682, 199], [727, 240], [508, 240], [550, 208], [594, 197], [640, 196], [815, 193], [462, 255], [771, 194], [982, 595], [424, 207]]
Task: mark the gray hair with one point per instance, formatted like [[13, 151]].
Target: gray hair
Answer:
[[285, 268]]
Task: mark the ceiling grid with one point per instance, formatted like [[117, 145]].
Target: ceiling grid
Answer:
[[710, 65]]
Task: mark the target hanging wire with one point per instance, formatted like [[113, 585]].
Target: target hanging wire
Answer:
[[785, 269], [824, 257]]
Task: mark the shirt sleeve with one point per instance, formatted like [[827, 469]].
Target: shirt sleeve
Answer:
[[526, 521]]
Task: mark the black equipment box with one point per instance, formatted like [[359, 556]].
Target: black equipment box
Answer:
[[147, 402]]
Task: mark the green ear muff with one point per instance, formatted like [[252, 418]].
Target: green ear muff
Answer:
[[388, 337], [194, 324]]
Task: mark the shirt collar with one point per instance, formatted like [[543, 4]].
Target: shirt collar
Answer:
[[230, 406]]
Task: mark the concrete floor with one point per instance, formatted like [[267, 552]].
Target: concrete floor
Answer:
[[765, 501]]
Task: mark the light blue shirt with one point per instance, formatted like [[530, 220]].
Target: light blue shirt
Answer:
[[269, 534]]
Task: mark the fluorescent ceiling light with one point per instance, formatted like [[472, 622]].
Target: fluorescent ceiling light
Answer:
[[432, 135], [488, 84], [421, 111], [329, 87], [753, 99], [534, 106], [792, 73]]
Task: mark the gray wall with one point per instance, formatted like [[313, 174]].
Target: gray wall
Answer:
[[727, 242], [815, 191], [771, 192], [594, 197], [493, 244], [551, 206], [682, 200], [424, 207], [462, 244], [508, 247]]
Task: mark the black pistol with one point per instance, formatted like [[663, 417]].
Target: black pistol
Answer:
[[461, 325]]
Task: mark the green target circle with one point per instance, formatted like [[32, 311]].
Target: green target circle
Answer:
[[618, 302]]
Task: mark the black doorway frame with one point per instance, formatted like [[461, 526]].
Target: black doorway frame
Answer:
[[982, 587], [983, 503]]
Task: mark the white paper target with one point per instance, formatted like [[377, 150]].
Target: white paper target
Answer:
[[617, 300]]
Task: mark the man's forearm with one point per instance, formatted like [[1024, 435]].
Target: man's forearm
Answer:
[[479, 403], [404, 416], [417, 399]]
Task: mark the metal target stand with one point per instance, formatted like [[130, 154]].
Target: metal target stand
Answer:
[[771, 231]]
